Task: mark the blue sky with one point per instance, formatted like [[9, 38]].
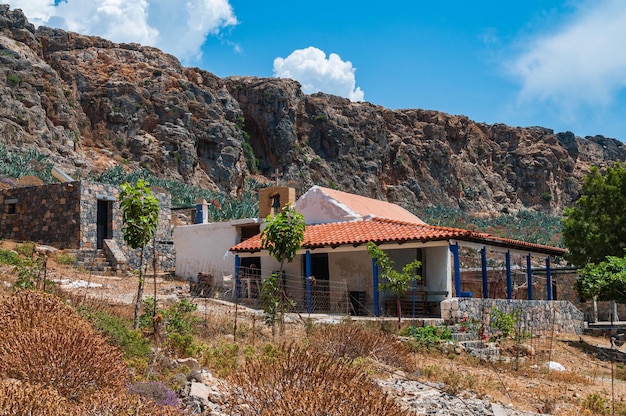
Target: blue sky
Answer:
[[555, 64]]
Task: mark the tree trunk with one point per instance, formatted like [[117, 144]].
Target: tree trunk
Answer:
[[139, 291], [399, 306]]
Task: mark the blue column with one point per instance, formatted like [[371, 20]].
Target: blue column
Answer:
[[375, 286], [483, 263], [548, 279], [307, 266], [509, 280], [237, 293], [454, 248], [529, 275]]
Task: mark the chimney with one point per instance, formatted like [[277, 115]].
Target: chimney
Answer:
[[202, 213]]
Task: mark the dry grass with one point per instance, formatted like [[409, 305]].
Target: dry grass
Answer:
[[349, 341], [43, 341], [304, 382]]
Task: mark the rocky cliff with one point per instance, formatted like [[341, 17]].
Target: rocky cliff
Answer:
[[89, 105]]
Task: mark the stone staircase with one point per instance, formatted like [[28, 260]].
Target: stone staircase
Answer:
[[94, 260], [474, 345]]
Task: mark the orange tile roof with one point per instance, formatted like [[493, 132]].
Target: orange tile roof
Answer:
[[379, 231], [365, 206]]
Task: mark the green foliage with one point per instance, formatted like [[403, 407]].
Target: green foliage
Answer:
[[283, 235], [140, 216], [396, 281], [25, 163], [13, 79], [504, 323], [10, 257], [597, 404], [531, 226], [270, 299], [606, 280], [595, 227], [140, 213], [65, 258], [427, 334], [120, 335], [223, 358], [178, 322], [222, 207]]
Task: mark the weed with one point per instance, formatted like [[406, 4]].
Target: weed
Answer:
[[119, 334], [65, 259], [596, 404]]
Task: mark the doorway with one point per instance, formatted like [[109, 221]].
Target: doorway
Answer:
[[320, 289], [104, 225]]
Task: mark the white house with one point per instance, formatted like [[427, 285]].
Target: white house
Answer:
[[334, 253]]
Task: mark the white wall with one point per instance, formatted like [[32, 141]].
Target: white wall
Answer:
[[202, 248], [437, 267]]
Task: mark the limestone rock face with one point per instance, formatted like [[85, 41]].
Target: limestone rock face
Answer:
[[89, 104]]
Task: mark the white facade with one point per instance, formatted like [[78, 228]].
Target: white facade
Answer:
[[203, 248]]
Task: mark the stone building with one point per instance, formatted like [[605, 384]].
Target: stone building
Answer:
[[81, 216]]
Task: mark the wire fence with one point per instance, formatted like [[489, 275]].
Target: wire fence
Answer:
[[305, 295]]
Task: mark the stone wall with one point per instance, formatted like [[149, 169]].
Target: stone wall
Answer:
[[536, 316], [47, 214], [90, 194], [65, 215]]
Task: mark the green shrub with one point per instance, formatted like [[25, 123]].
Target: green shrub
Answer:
[[222, 358], [65, 258], [504, 323], [597, 404], [427, 334], [119, 334], [10, 257]]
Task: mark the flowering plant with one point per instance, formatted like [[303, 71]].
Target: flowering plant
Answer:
[[473, 325]]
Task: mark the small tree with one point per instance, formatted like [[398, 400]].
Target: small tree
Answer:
[[605, 280], [282, 238], [399, 282], [595, 227], [140, 215]]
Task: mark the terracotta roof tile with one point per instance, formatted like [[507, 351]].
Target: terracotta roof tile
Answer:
[[379, 231]]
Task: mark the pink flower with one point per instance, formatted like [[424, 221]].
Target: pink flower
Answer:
[[463, 329], [464, 319], [484, 336]]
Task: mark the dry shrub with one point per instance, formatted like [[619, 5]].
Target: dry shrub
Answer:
[[349, 341], [17, 398], [116, 403], [307, 382], [43, 341]]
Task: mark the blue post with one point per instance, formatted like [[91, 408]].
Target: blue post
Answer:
[[375, 286], [483, 263], [307, 259], [454, 248], [509, 280], [548, 278], [529, 274], [237, 281]]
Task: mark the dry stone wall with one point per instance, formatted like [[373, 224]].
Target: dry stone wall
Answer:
[[535, 315], [48, 214]]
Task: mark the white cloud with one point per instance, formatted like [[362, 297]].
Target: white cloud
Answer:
[[581, 63], [179, 28], [310, 67]]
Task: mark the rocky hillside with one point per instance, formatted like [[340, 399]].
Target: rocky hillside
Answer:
[[89, 105]]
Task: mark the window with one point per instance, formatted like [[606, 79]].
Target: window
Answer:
[[11, 206]]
